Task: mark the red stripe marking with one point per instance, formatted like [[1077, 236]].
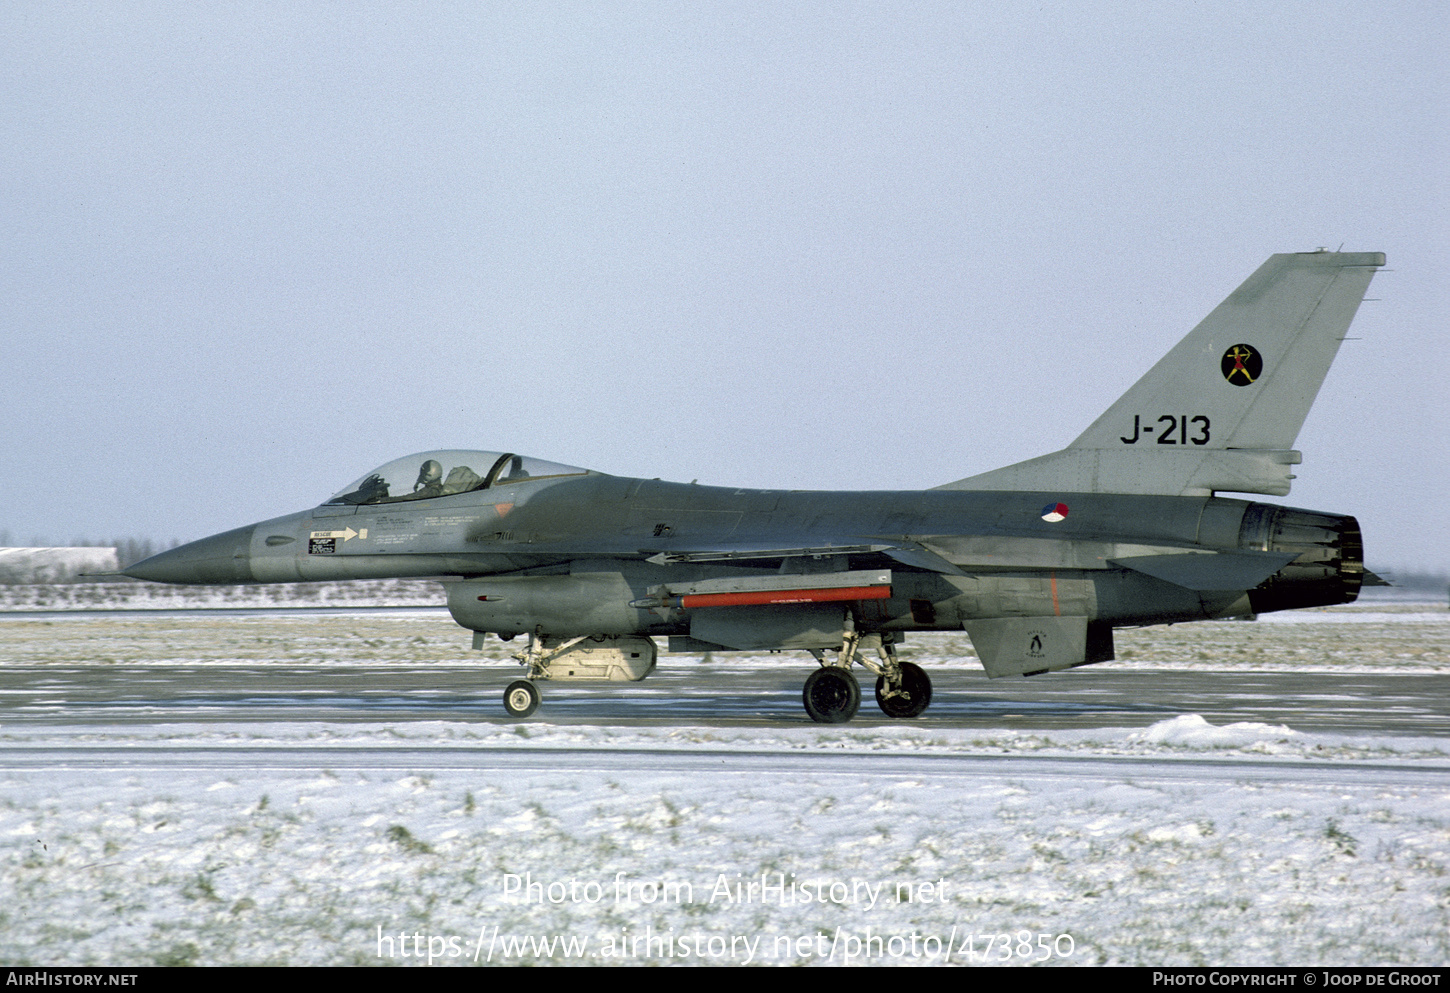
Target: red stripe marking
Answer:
[[786, 596]]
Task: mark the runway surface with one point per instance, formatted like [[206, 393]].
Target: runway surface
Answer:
[[1349, 672], [715, 696], [283, 787]]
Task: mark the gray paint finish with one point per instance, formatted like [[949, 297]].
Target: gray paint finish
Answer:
[[1037, 561]]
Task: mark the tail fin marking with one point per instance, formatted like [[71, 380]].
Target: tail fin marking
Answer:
[[1221, 410]]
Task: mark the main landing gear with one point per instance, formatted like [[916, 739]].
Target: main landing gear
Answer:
[[911, 695], [832, 695]]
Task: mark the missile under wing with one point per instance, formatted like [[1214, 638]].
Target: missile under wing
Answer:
[[1038, 561]]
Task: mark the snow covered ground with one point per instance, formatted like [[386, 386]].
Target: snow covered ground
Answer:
[[319, 843], [153, 861]]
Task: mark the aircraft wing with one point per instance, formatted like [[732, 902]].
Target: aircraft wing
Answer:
[[907, 553], [754, 553]]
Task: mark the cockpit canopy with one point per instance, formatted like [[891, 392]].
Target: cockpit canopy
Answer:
[[445, 473]]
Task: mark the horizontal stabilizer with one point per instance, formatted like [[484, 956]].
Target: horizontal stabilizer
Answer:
[[1371, 579], [1212, 571]]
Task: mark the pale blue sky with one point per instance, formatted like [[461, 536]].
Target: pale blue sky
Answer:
[[251, 251]]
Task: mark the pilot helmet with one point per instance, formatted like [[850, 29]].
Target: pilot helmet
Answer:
[[431, 472]]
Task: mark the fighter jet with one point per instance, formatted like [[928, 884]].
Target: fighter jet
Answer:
[[1038, 561]]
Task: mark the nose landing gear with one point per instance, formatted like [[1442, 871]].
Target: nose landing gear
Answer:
[[521, 698], [588, 658]]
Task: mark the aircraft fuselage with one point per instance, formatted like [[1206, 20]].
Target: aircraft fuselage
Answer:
[[954, 555], [1037, 561]]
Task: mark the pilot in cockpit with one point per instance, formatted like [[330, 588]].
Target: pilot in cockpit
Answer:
[[430, 480], [429, 484], [434, 479]]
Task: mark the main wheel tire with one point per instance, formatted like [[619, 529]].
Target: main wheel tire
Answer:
[[521, 698], [917, 686], [832, 695]]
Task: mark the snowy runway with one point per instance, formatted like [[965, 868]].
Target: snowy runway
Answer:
[[578, 837]]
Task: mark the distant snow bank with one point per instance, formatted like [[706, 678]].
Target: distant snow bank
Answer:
[[159, 596], [54, 565], [56, 593]]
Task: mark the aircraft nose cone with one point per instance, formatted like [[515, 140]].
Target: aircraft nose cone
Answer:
[[222, 558]]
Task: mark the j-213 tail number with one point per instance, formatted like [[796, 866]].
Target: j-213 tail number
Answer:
[[1176, 431]]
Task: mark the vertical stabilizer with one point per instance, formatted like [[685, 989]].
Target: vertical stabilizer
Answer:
[[1221, 410]]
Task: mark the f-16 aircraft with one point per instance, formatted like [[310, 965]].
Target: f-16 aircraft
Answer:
[[1038, 561]]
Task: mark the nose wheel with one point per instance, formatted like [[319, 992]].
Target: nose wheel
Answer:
[[521, 698], [832, 695]]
